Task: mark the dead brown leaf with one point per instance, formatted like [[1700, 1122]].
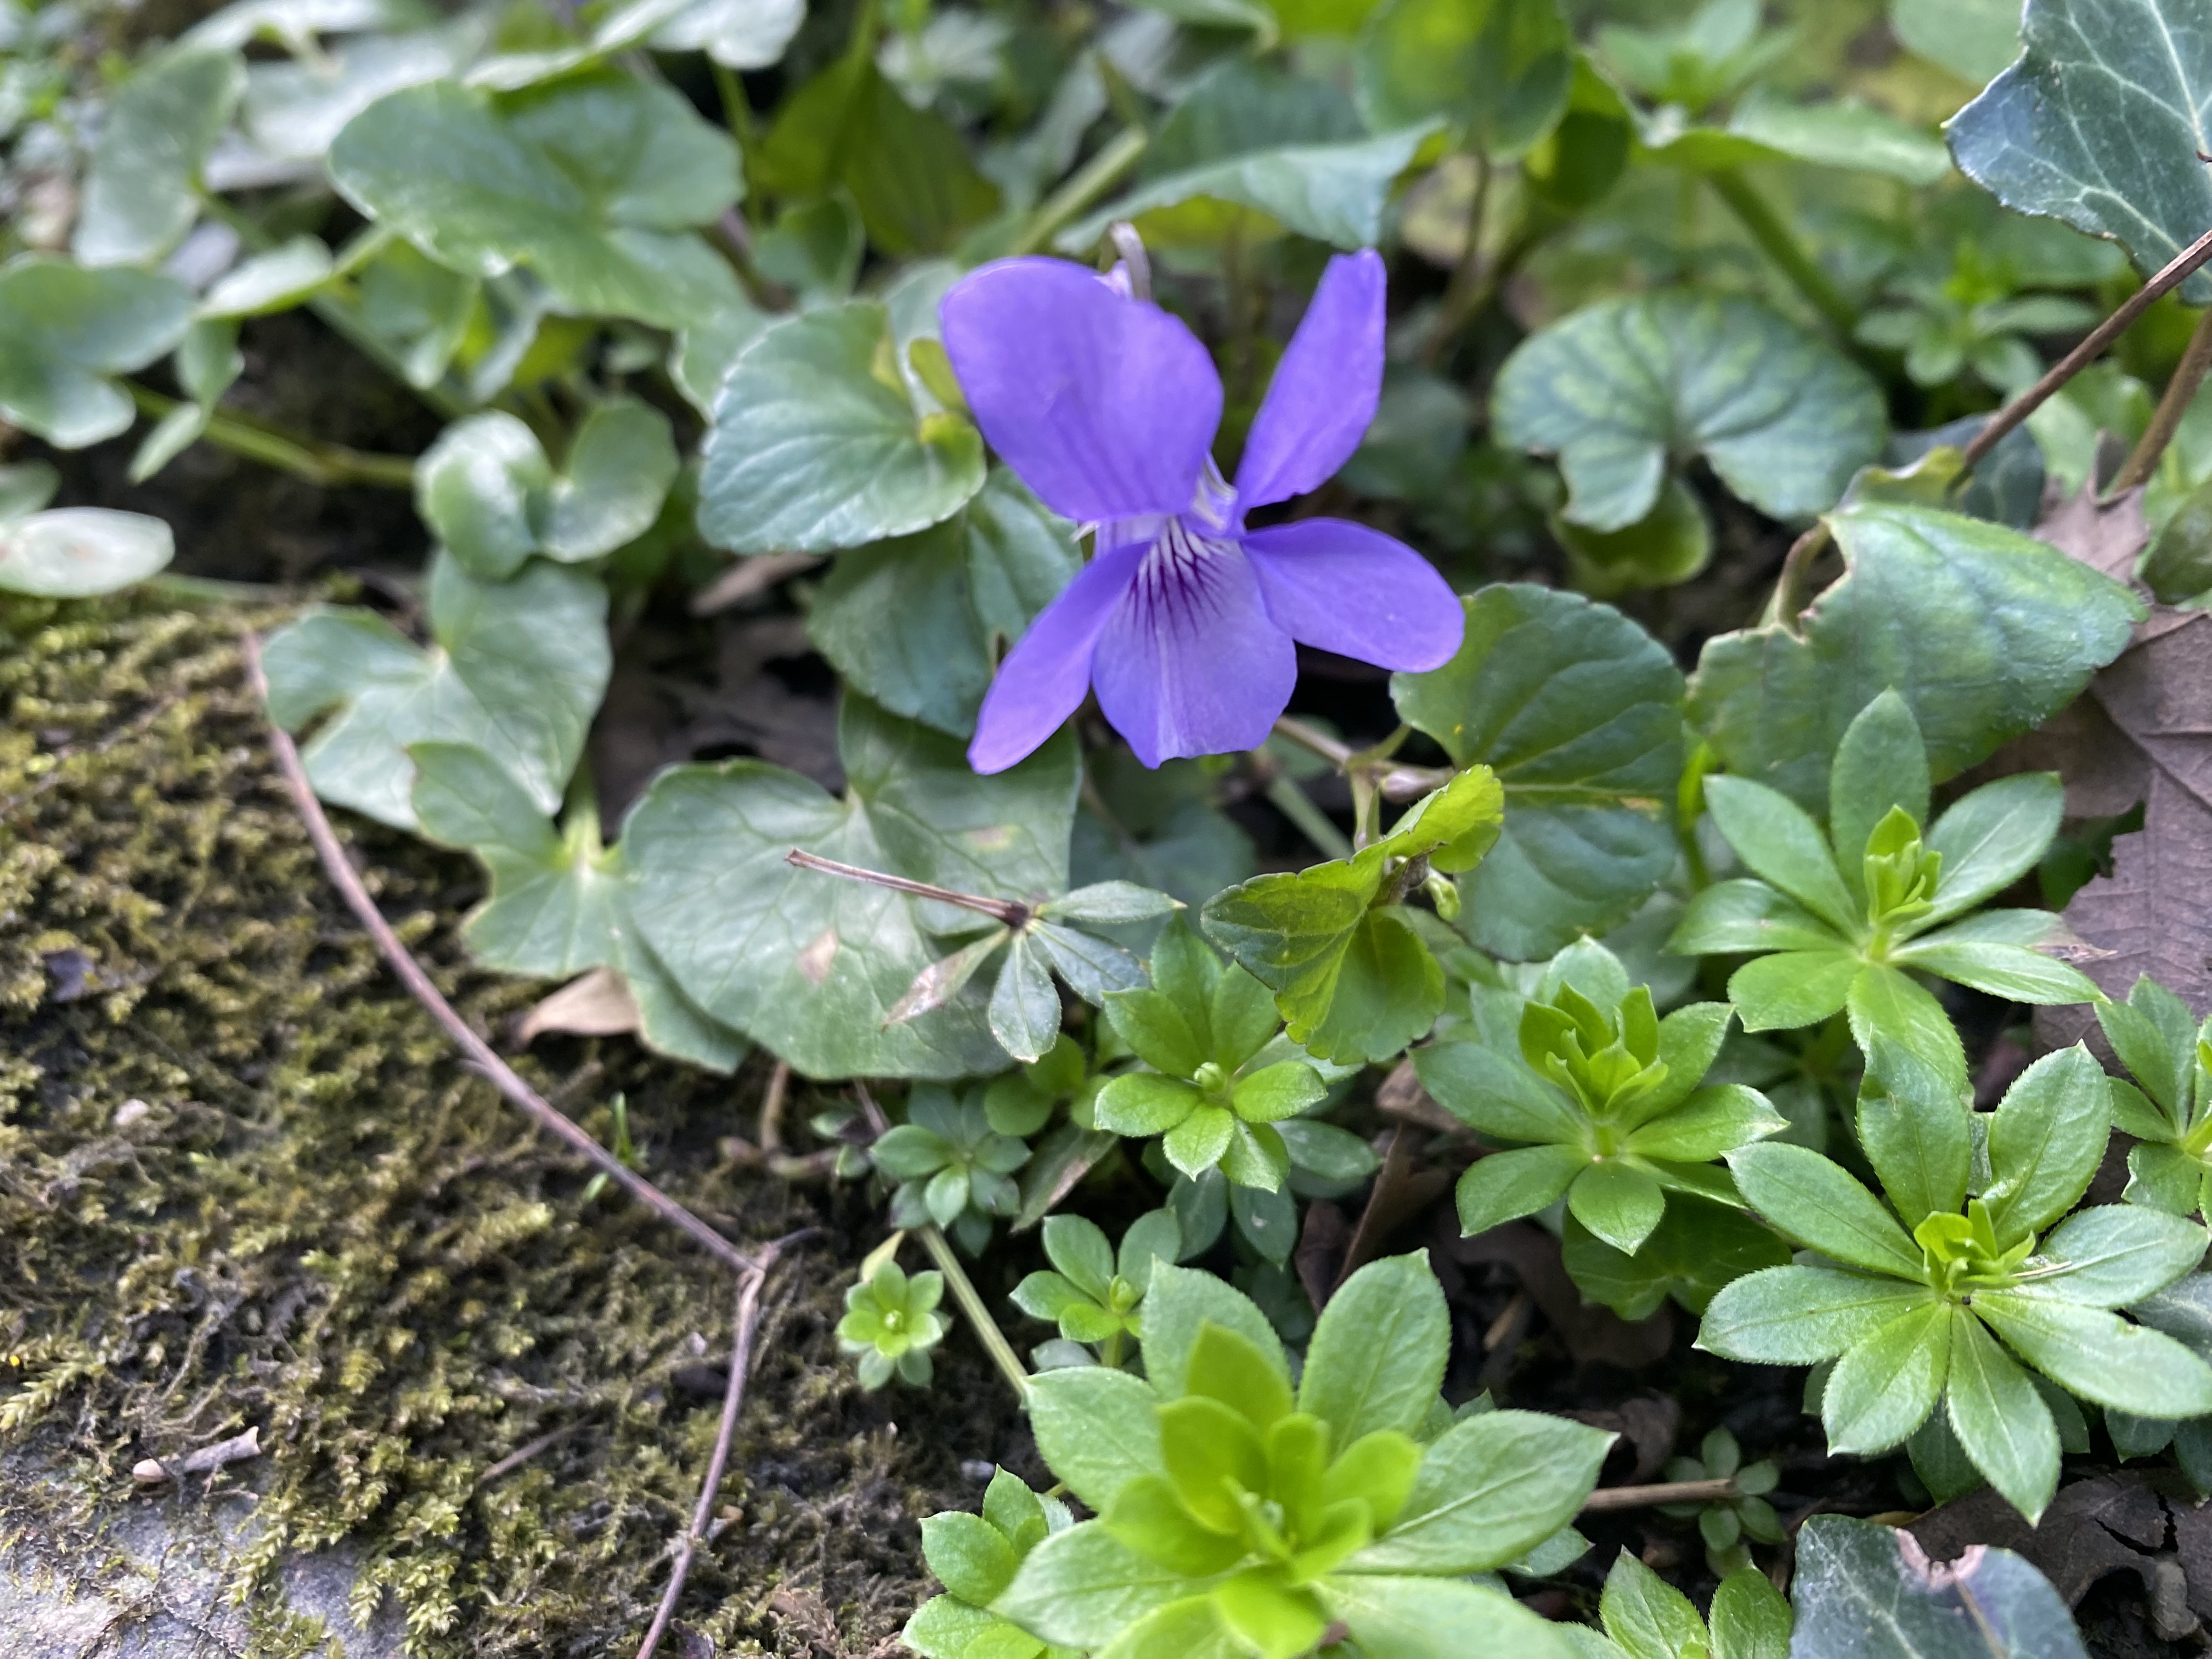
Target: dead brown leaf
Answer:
[[596, 1004]]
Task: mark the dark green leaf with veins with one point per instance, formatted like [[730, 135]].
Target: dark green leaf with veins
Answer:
[[2101, 123], [1579, 712]]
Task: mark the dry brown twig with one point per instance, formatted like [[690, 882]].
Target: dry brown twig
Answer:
[[480, 1056], [741, 1355]]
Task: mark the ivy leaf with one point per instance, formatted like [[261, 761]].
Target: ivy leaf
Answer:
[[65, 330], [1498, 71], [1857, 1576], [140, 193], [593, 184], [517, 670], [816, 442], [1618, 388], [1334, 192], [1983, 632], [1579, 712], [919, 622], [1352, 978], [809, 964], [2099, 124]]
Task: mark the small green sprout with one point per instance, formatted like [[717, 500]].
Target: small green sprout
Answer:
[[1725, 1522], [1647, 1618], [1218, 1081], [1096, 1297], [892, 1323], [952, 1168], [2168, 1108]]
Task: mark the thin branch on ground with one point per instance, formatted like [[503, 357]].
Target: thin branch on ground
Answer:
[[522, 1453], [733, 1396], [1666, 1491], [480, 1056], [2182, 265]]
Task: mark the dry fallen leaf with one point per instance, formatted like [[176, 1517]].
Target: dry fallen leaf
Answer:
[[596, 1004]]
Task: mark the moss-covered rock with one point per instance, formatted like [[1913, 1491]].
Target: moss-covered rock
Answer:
[[243, 1181]]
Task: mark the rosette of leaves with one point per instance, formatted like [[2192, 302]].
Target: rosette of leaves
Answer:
[[1239, 1514], [975, 1557], [1945, 1294], [952, 1168], [2168, 1106], [1095, 1293], [1647, 1618], [1039, 939], [1843, 920], [1725, 1522], [1218, 1083], [1350, 972], [1605, 1106], [892, 1323]]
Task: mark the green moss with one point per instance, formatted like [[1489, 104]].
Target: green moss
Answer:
[[318, 1224]]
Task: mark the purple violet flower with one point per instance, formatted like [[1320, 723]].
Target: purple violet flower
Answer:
[[1183, 620]]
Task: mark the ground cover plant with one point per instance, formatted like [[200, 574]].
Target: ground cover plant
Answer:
[[1338, 767]]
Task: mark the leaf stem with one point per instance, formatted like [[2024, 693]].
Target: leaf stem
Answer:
[[1083, 187], [1464, 290], [1008, 911], [2166, 419], [1293, 803], [1779, 243], [964, 1288], [736, 108], [2177, 270], [320, 464], [1371, 769]]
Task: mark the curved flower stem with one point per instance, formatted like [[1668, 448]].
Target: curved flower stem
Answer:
[[2166, 420], [320, 464], [2177, 270], [1371, 769], [1083, 186], [1283, 794], [1467, 291], [1780, 244], [481, 1057], [1006, 910], [964, 1288]]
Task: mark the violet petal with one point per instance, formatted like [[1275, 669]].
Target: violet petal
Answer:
[[1322, 398], [1105, 405], [1044, 678], [1189, 663], [1339, 586]]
